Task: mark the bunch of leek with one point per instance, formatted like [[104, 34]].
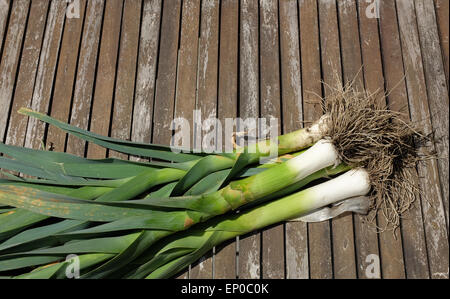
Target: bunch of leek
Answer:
[[121, 217]]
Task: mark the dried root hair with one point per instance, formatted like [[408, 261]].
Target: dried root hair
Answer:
[[367, 134]]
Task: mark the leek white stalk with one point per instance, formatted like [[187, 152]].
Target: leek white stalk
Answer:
[[353, 183], [320, 155]]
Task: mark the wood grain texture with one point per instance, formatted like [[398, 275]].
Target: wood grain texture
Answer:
[[65, 77], [366, 238], [46, 73], [437, 89], [296, 233], [413, 237], [350, 43], [225, 254], [432, 203], [389, 248], [272, 238], [332, 78], [290, 66], [105, 79], [85, 76], [319, 234], [102, 101], [126, 74], [208, 62], [146, 73], [442, 18], [342, 227], [249, 245], [167, 69], [329, 45], [249, 59], [366, 241], [10, 59], [186, 86], [27, 72], [166, 76], [4, 11]]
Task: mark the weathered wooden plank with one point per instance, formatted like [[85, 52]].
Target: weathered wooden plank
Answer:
[[27, 72], [46, 73], [225, 255], [65, 77], [126, 74], [269, 60], [10, 59], [249, 245], [442, 16], [102, 100], [332, 78], [146, 74], [296, 235], [342, 228], [371, 53], [432, 203], [390, 248], [329, 44], [106, 74], [350, 43], [414, 247], [272, 250], [166, 75], [167, 69], [319, 234], [366, 241], [85, 78], [208, 58], [437, 89], [4, 11], [207, 96], [208, 53], [187, 62], [310, 57], [249, 57], [290, 66], [186, 86]]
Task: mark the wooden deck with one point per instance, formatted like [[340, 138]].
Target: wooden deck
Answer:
[[125, 68]]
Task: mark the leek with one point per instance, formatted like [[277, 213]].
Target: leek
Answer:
[[129, 227]]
